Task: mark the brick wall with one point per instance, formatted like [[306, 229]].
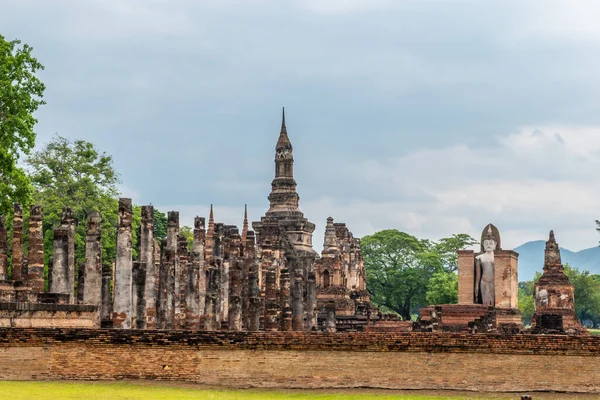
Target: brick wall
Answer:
[[307, 360]]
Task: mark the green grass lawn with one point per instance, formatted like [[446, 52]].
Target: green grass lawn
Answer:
[[595, 332], [139, 390]]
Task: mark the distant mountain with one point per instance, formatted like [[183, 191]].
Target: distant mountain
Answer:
[[531, 259]]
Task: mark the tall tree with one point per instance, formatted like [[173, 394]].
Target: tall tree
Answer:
[[399, 267], [587, 294], [526, 304], [21, 94], [442, 288], [77, 175]]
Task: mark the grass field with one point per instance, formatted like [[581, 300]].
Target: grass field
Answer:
[[138, 390], [595, 332], [135, 391]]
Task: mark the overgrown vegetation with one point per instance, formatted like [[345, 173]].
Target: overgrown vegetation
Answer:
[[405, 273]]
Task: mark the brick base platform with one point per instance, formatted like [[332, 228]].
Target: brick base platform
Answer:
[[307, 360]]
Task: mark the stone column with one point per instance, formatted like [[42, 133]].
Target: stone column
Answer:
[[285, 298], [156, 255], [17, 244], [253, 290], [195, 292], [271, 303], [182, 250], [80, 282], [198, 260], [217, 260], [106, 305], [225, 266], [123, 296], [92, 289], [298, 300], [212, 294], [162, 296], [147, 320], [171, 264], [35, 268], [3, 249], [236, 281], [60, 265], [138, 299], [311, 301], [68, 220]]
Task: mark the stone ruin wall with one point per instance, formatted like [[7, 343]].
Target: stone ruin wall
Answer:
[[228, 281], [307, 359]]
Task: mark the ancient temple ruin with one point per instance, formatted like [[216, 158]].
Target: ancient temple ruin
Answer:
[[554, 296], [270, 278], [487, 291], [266, 279]]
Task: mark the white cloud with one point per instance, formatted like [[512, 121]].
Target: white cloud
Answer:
[[526, 183]]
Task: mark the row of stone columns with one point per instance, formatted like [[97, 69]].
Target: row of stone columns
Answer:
[[215, 286]]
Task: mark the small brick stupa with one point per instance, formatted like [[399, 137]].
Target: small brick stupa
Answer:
[[554, 297]]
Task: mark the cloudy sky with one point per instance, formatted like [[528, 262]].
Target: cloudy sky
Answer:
[[432, 117]]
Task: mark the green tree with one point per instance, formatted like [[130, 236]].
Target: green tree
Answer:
[[446, 249], [21, 94], [399, 267], [160, 225], [526, 304], [587, 294], [442, 288], [75, 174]]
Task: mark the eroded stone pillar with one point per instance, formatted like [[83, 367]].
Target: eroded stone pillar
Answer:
[[311, 301], [35, 260], [17, 244], [298, 300], [171, 267], [106, 305], [236, 280], [253, 291], [225, 266], [3, 249], [68, 220], [147, 318], [286, 309], [60, 265], [182, 253], [212, 294], [271, 304], [199, 248], [196, 290], [92, 287], [123, 289]]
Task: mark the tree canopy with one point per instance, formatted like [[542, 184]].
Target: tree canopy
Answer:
[[73, 173], [400, 269], [21, 93]]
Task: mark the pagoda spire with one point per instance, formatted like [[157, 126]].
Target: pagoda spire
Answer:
[[245, 225], [283, 197], [211, 223], [284, 141]]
